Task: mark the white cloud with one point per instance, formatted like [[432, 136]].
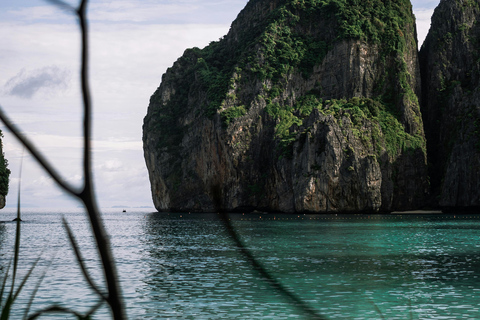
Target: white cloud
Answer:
[[129, 60], [28, 46], [44, 12], [43, 181], [132, 11], [27, 83], [111, 165], [166, 12], [137, 11], [423, 17], [121, 179], [125, 145]]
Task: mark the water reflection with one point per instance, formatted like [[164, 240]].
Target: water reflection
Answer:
[[182, 266], [196, 271], [345, 269]]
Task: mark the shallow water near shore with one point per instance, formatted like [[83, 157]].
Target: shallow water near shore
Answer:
[[184, 266]]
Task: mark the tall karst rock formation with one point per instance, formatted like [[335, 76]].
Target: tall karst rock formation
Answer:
[[4, 175], [450, 59], [304, 106]]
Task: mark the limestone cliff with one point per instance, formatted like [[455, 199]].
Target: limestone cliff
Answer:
[[304, 106], [451, 81], [4, 175]]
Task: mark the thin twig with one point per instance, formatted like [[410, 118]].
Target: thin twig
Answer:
[[4, 282], [62, 5], [17, 233], [24, 281], [86, 193], [55, 309], [87, 196], [307, 310], [35, 290], [410, 308], [79, 257], [274, 283], [60, 309], [377, 309], [94, 308]]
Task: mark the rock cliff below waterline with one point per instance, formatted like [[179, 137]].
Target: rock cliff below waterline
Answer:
[[302, 107], [451, 93]]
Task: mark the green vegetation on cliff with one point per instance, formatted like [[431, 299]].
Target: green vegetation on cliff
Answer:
[[383, 23], [379, 22], [388, 134], [285, 44]]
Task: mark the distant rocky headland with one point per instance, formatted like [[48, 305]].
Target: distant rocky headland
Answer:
[[322, 106]]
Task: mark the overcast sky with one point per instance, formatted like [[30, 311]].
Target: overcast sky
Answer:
[[133, 42]]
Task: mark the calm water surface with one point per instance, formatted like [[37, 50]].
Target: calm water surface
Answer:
[[184, 266]]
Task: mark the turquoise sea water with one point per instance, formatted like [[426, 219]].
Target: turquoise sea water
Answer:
[[184, 266]]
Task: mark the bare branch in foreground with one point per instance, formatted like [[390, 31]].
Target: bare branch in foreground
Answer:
[[290, 296], [86, 193]]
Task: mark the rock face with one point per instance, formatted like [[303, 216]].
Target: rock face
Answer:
[[450, 60], [4, 176], [303, 106]]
